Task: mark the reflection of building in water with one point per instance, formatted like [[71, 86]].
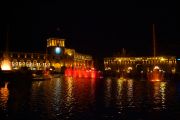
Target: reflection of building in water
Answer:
[[120, 96], [107, 91], [130, 92], [69, 89], [120, 82], [92, 88], [4, 95], [159, 95], [56, 55], [156, 95], [163, 94], [141, 64]]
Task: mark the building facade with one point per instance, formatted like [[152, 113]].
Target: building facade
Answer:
[[56, 56], [140, 64]]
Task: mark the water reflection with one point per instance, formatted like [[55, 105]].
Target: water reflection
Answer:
[[84, 92], [163, 94], [159, 95], [63, 97], [47, 97], [84, 98], [4, 95], [130, 98], [119, 97], [107, 91], [119, 89], [69, 93]]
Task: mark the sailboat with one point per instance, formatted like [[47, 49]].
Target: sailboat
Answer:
[[156, 74]]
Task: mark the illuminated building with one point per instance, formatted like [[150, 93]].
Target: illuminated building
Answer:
[[56, 55], [141, 64]]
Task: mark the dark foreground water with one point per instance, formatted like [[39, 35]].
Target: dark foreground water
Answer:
[[88, 99]]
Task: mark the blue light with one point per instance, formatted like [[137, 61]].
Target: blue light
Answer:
[[57, 50], [178, 58]]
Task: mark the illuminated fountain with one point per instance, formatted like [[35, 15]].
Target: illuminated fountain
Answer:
[[156, 75], [83, 73], [6, 65], [6, 70]]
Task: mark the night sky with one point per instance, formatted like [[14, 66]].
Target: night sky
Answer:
[[99, 29]]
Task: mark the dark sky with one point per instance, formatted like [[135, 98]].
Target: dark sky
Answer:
[[100, 29]]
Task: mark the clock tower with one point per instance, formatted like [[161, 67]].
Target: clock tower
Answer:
[[55, 47]]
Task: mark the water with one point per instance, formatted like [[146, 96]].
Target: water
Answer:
[[88, 99]]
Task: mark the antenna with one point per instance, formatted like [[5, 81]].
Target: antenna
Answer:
[[154, 41]]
